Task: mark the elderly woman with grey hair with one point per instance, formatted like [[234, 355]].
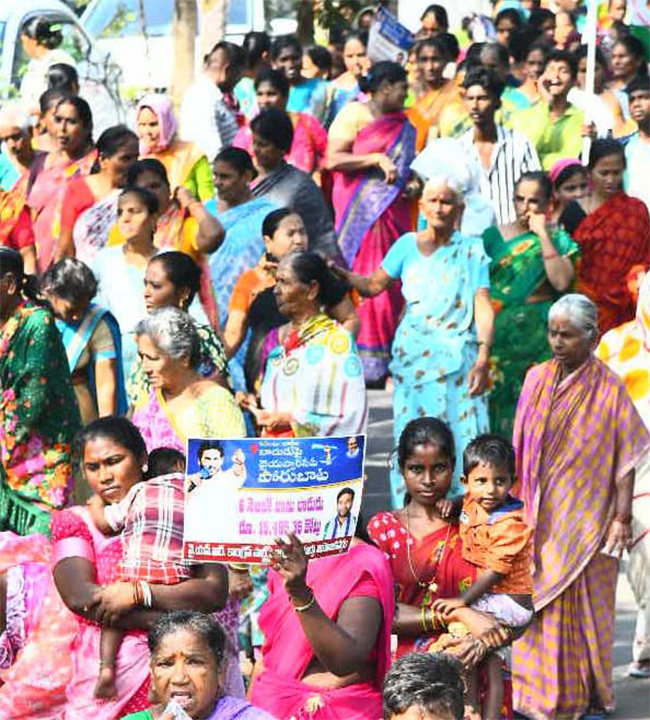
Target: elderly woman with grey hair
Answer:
[[182, 404], [17, 154], [441, 351], [578, 439], [91, 337]]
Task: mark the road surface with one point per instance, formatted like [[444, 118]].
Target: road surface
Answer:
[[632, 696]]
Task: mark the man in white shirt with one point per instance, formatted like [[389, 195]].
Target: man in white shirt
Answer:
[[637, 149], [209, 113], [502, 155], [344, 523]]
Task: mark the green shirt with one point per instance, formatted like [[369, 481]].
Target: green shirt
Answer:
[[553, 140], [142, 715]]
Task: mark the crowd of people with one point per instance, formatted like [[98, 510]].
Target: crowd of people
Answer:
[[468, 230]]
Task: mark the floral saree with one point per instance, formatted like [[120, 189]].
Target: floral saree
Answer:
[[91, 229], [574, 439], [370, 216], [517, 272], [435, 345], [39, 418]]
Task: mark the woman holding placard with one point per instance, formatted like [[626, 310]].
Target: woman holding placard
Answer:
[[338, 632]]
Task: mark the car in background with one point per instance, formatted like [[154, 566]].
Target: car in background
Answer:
[[147, 59], [99, 76]]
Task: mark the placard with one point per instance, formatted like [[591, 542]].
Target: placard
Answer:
[[388, 39], [242, 494]]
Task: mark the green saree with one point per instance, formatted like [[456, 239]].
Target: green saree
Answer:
[[517, 272], [39, 418]]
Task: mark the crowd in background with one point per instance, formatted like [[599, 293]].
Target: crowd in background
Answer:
[[468, 230]]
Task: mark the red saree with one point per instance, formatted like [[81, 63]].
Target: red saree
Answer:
[[574, 439], [437, 555], [612, 239], [286, 652]]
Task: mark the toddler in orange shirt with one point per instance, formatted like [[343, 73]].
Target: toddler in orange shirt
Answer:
[[499, 542]]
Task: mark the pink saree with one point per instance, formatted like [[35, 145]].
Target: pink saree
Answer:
[[75, 535], [33, 685], [44, 199], [370, 216], [574, 439], [287, 653]]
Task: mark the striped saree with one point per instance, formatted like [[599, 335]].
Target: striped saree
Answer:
[[575, 439]]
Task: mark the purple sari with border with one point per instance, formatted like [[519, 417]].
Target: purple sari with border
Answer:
[[370, 216]]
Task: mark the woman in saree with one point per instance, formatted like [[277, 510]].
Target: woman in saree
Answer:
[[531, 264], [37, 631], [578, 439], [183, 224], [90, 202], [345, 88], [626, 351], [287, 186], [433, 92], [313, 383], [172, 279], [371, 147], [91, 338], [16, 230], [424, 547], [254, 316], [200, 683], [185, 162], [327, 644], [442, 346], [39, 415], [74, 156], [86, 566], [569, 178], [613, 237], [241, 216], [309, 136], [182, 404]]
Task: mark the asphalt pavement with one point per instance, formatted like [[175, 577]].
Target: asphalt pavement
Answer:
[[632, 696]]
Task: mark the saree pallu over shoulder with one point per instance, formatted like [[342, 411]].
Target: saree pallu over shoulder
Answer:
[[241, 248], [612, 239], [75, 339], [92, 227], [282, 630], [517, 272], [574, 440], [364, 197], [38, 411], [320, 382], [45, 200]]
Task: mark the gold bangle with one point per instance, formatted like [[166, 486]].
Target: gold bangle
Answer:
[[306, 606]]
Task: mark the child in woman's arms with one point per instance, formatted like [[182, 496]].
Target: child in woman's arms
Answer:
[[499, 542], [150, 518]]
